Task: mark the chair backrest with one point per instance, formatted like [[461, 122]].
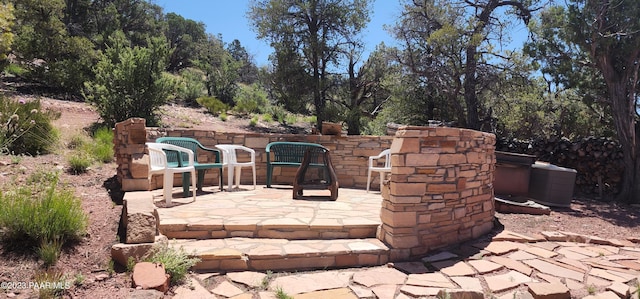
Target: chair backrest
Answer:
[[228, 153], [157, 157], [284, 151], [387, 158], [185, 142], [386, 154]]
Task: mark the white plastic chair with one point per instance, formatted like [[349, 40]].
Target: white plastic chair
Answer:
[[159, 165], [230, 161], [373, 166]]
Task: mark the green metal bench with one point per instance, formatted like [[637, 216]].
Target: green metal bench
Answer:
[[286, 154], [195, 146]]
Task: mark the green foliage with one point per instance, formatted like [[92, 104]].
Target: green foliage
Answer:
[[278, 112], [220, 69], [131, 263], [251, 99], [15, 69], [102, 147], [192, 85], [223, 116], [281, 294], [176, 261], [267, 118], [254, 121], [321, 28], [64, 60], [130, 81], [213, 105], [40, 213], [49, 252], [6, 36], [79, 162], [25, 128], [54, 278]]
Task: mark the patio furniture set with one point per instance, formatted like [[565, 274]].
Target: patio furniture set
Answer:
[[170, 155]]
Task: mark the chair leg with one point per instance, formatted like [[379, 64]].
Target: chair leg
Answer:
[[238, 171], [368, 179], [193, 184], [382, 174], [254, 176], [167, 187], [230, 169]]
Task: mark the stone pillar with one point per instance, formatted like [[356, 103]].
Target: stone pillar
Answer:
[[131, 156], [440, 190]]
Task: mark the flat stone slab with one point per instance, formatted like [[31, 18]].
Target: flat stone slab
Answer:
[[502, 282], [454, 268], [552, 269], [549, 290], [435, 280], [312, 282], [379, 276]]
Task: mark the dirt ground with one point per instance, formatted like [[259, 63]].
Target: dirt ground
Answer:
[[87, 264]]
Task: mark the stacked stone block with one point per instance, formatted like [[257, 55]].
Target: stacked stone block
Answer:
[[131, 154], [440, 189]]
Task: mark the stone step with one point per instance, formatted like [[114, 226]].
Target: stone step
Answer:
[[291, 229], [238, 254]]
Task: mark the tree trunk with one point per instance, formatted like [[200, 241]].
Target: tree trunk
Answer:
[[624, 120]]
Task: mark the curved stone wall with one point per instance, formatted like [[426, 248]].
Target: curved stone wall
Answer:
[[440, 190]]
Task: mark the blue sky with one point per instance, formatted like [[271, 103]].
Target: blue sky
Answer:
[[228, 17]]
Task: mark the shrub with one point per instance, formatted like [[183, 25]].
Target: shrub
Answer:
[[251, 99], [49, 252], [267, 118], [130, 81], [278, 112], [176, 262], [102, 147], [15, 69], [79, 162], [25, 128], [254, 121], [192, 85], [213, 105], [40, 213]]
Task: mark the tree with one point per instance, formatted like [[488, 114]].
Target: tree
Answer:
[[247, 72], [449, 46], [319, 30], [6, 36], [51, 54], [220, 69], [184, 35], [366, 93], [594, 46], [129, 81]]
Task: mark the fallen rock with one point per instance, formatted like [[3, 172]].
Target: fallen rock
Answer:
[[148, 275]]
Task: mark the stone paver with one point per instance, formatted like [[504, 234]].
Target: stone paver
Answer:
[[484, 266], [436, 280], [248, 278], [379, 276], [512, 264], [552, 269], [468, 283], [549, 290], [306, 283], [454, 268], [507, 281], [227, 289], [503, 265]]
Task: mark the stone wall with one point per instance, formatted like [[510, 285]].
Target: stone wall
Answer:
[[349, 155], [440, 190]]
